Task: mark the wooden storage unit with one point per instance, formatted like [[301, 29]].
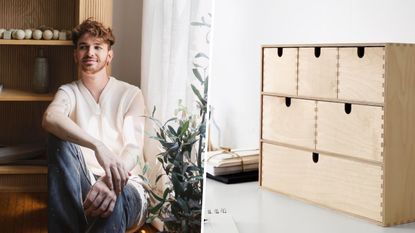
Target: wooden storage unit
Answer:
[[317, 71], [21, 109], [280, 70], [361, 159]]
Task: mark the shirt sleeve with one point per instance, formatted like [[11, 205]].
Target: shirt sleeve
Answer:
[[133, 132]]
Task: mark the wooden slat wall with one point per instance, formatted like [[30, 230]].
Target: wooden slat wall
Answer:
[[20, 122], [23, 183], [17, 65], [35, 13], [100, 10]]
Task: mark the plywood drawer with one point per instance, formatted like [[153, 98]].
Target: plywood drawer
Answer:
[[333, 182], [292, 124], [317, 72], [361, 73], [357, 133], [280, 70]]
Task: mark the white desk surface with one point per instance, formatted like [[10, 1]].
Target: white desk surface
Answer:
[[258, 210]]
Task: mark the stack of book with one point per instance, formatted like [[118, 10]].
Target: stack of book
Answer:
[[232, 166]]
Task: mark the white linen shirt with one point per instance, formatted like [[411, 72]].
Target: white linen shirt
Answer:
[[116, 119]]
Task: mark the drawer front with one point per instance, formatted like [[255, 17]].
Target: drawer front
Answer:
[[293, 124], [357, 134], [361, 74], [333, 182], [317, 76], [280, 70]]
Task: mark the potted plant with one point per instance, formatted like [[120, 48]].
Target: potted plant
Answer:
[[183, 141]]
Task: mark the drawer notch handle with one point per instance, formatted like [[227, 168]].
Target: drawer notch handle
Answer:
[[279, 52], [317, 51], [288, 101], [348, 108], [360, 52], [315, 157]]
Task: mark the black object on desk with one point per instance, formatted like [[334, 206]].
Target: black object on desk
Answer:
[[235, 178]]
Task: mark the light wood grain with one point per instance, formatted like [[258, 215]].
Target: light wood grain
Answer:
[[36, 42], [357, 134], [20, 123], [361, 79], [35, 13], [280, 73], [17, 66], [22, 170], [20, 95], [23, 212], [399, 157], [292, 125], [100, 10], [335, 45], [327, 153], [338, 183], [317, 77], [23, 183], [324, 99], [23, 178], [376, 137]]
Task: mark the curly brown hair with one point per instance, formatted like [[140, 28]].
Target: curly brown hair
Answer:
[[95, 29]]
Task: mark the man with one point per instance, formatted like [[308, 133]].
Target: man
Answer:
[[98, 138]]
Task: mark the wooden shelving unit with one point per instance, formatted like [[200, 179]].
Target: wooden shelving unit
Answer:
[[21, 109], [36, 42], [20, 95], [17, 169]]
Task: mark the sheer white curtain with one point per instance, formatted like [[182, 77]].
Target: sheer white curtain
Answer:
[[169, 44]]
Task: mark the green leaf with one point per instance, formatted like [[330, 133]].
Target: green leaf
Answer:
[[151, 219], [156, 208], [206, 86], [197, 75], [172, 131], [197, 93], [169, 120], [159, 177], [198, 55], [197, 65], [183, 128], [197, 24], [154, 111], [145, 169], [177, 185]]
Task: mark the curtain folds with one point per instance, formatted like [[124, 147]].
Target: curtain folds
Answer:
[[169, 46]]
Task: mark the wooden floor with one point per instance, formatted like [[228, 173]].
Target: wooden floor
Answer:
[[27, 213], [23, 212]]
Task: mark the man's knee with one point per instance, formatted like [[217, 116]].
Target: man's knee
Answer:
[[58, 147]]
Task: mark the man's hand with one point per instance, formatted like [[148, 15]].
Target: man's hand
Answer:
[[56, 120], [100, 200], [115, 172]]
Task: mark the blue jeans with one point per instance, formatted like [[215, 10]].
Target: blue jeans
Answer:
[[69, 183]]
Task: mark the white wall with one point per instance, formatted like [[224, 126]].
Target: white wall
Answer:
[[127, 18], [242, 26]]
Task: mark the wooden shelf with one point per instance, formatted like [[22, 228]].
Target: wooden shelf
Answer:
[[19, 95], [23, 169], [36, 42]]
